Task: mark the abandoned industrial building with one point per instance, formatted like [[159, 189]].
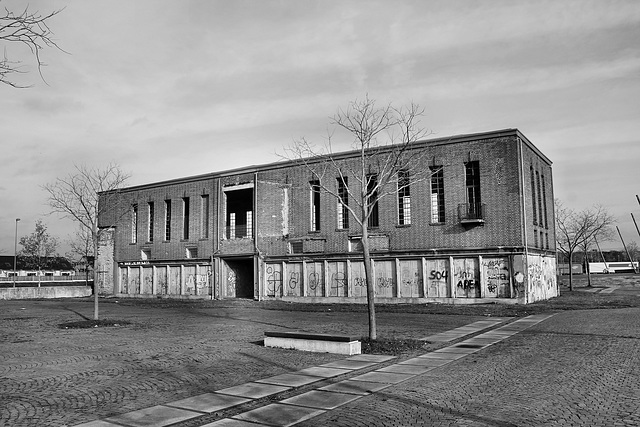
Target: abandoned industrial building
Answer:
[[478, 229]]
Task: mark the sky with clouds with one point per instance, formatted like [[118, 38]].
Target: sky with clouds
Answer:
[[176, 88]]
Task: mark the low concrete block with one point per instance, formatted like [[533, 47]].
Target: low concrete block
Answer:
[[318, 346], [45, 292]]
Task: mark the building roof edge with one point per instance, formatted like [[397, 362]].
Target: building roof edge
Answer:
[[339, 155]]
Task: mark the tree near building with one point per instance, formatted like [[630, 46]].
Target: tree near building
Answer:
[[30, 29], [76, 197], [580, 229], [38, 247], [385, 166], [81, 249]]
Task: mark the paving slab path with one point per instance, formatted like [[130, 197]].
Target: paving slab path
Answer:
[[572, 368], [169, 352]]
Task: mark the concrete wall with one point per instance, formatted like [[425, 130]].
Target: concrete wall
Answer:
[[105, 261], [159, 280], [45, 292], [419, 279]]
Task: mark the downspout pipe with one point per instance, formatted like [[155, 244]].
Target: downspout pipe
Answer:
[[525, 237], [256, 249]]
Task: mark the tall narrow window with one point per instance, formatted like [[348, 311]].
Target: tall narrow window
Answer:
[[204, 214], [544, 204], [533, 197], [540, 217], [185, 218], [315, 205], [232, 225], [134, 223], [151, 222], [239, 213], [249, 232], [343, 202], [472, 172], [167, 220], [372, 200], [404, 198], [437, 194]]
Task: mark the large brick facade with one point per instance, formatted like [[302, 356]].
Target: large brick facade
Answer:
[[254, 232]]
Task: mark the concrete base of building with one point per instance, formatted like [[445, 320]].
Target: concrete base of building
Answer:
[[401, 300], [173, 297], [45, 292]]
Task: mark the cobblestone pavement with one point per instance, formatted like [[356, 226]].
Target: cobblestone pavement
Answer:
[[575, 368], [56, 377], [578, 368]]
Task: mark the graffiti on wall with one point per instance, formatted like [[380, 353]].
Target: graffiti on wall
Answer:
[[385, 282], [294, 279], [410, 279], [163, 285], [466, 278], [542, 277], [274, 280], [496, 275], [337, 279], [292, 283], [438, 278], [148, 281], [314, 283], [338, 284]]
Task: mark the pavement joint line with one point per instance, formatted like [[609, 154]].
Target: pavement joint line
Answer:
[[463, 331], [446, 355]]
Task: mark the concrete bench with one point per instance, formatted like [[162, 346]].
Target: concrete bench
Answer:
[[320, 343]]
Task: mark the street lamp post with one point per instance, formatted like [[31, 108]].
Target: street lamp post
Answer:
[[15, 255]]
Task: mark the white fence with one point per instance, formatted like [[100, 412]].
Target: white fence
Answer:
[[44, 276], [613, 267]]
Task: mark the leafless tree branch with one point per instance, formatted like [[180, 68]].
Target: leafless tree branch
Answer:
[[383, 139], [30, 29], [76, 197], [580, 229]]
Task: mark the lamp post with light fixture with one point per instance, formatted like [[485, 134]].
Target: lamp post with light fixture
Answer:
[[15, 254]]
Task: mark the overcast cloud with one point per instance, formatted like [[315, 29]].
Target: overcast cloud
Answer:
[[176, 88]]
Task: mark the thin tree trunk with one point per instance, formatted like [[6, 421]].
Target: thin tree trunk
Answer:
[[571, 271], [95, 278], [368, 272]]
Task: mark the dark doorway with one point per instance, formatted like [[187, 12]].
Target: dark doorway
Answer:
[[238, 278]]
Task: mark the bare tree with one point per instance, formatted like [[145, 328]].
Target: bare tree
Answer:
[[603, 235], [76, 197], [27, 28], [37, 247], [634, 251], [382, 138], [575, 230], [81, 249]]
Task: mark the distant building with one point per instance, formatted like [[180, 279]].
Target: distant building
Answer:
[[480, 229]]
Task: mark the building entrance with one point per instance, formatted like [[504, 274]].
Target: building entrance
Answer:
[[238, 279]]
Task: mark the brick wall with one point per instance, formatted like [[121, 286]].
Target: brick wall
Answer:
[[176, 246], [283, 207], [499, 178]]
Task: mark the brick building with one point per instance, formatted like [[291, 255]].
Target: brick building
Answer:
[[479, 228]]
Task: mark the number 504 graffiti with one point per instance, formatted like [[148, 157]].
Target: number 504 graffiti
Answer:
[[438, 275]]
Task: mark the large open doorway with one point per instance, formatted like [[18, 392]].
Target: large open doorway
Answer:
[[238, 279]]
